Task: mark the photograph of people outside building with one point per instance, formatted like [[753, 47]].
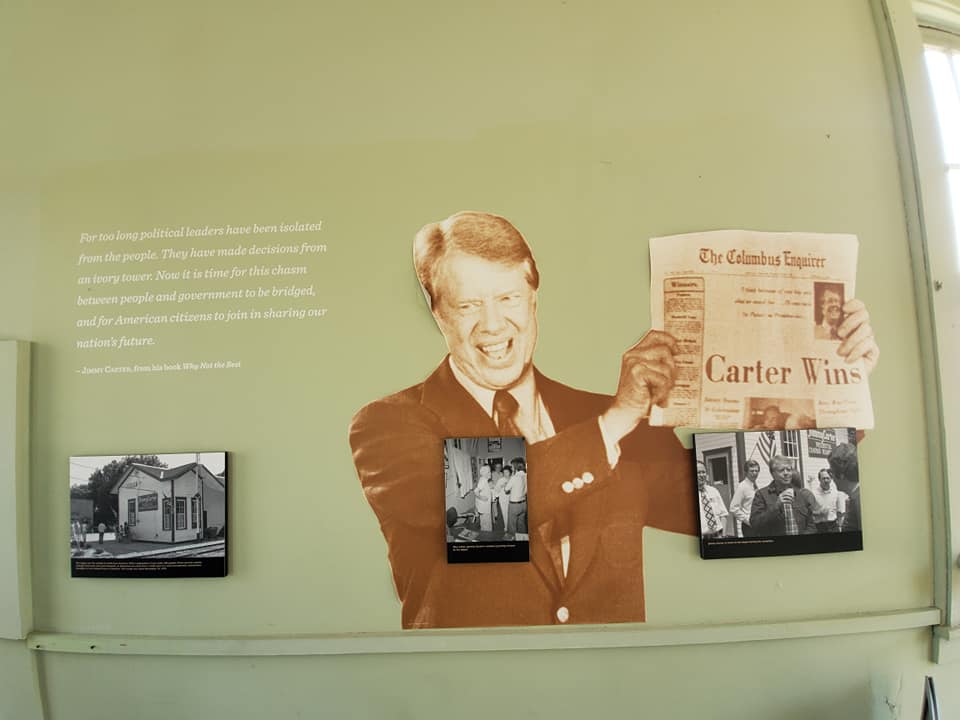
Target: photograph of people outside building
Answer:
[[485, 481], [148, 515], [778, 492]]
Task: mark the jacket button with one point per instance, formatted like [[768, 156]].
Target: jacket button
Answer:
[[588, 477], [567, 487], [563, 614], [577, 483]]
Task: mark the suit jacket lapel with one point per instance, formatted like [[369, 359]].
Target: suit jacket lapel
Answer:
[[460, 414], [563, 413], [588, 519], [588, 514]]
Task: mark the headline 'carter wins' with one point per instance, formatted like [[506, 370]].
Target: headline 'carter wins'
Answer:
[[815, 370]]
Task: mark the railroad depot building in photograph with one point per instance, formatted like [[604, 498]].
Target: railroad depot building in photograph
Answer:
[[171, 505]]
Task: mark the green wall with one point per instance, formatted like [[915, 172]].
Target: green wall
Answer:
[[827, 679], [593, 127]]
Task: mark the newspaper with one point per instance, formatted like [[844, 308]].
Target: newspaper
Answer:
[[755, 316]]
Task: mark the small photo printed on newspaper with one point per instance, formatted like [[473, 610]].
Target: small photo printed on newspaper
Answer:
[[777, 492], [828, 300], [485, 485]]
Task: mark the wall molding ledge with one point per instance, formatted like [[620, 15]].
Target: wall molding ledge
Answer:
[[607, 636]]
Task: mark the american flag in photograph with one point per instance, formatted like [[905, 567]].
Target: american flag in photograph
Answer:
[[766, 445]]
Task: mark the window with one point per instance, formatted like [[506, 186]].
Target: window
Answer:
[[181, 513], [194, 511], [942, 55], [167, 514], [791, 445], [132, 512], [719, 465], [936, 185]]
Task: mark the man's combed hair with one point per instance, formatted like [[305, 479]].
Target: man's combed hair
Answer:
[[782, 459], [485, 235], [843, 462]]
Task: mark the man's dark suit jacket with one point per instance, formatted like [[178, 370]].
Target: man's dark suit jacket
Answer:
[[397, 447], [766, 513]]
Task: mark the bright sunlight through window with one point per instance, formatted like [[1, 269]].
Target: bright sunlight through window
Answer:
[[943, 65]]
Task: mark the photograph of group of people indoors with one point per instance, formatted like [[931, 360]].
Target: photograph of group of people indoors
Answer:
[[486, 489], [777, 483]]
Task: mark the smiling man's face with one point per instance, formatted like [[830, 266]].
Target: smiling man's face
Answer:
[[824, 478], [701, 475], [782, 472], [832, 307], [487, 313]]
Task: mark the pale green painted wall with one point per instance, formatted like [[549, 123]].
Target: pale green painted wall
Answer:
[[594, 127], [19, 695], [796, 680]]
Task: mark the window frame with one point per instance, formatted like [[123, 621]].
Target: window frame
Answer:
[[934, 254], [181, 502]]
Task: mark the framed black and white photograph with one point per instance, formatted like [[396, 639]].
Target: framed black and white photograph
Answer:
[[486, 499], [149, 515], [777, 492]]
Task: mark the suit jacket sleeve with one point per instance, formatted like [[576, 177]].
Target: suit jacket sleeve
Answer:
[[575, 452], [764, 517], [397, 449], [398, 453], [655, 458]]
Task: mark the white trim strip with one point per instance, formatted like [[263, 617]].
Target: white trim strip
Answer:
[[417, 641], [16, 605]]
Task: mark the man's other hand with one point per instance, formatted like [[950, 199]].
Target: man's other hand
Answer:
[[857, 337], [647, 374]]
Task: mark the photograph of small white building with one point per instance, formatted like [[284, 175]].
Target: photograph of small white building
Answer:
[[154, 515], [171, 505]]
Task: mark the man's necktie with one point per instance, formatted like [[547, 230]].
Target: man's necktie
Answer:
[[789, 520], [505, 412], [708, 514]]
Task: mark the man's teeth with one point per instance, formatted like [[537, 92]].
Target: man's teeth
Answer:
[[496, 351]]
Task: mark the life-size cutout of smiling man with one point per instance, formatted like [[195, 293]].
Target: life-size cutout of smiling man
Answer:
[[597, 473]]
